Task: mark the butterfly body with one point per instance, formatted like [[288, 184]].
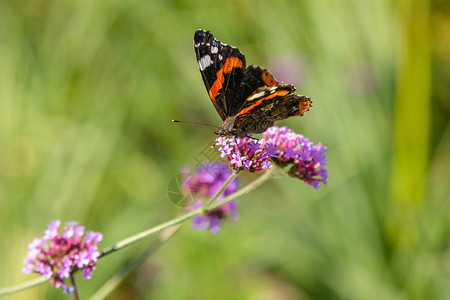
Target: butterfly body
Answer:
[[248, 99]]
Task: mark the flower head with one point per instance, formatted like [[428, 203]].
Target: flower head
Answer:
[[203, 184], [56, 255], [307, 160], [244, 153]]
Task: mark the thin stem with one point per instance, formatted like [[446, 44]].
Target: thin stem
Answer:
[[114, 281], [248, 188], [133, 239], [75, 290], [222, 188]]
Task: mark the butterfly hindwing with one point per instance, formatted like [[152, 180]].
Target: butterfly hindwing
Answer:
[[269, 104], [254, 78], [222, 67]]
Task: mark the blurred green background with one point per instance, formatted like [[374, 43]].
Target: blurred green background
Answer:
[[87, 92]]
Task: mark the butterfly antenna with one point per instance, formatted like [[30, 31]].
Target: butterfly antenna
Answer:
[[197, 123]]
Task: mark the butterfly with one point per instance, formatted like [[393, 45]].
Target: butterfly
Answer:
[[248, 99]]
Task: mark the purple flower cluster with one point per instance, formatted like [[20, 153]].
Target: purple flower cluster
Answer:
[[245, 154], [283, 147], [57, 255], [307, 160], [203, 184]]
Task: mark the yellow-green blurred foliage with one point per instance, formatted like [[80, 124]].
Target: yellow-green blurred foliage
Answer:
[[87, 92]]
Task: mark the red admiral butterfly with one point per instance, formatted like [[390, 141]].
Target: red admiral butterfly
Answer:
[[249, 100]]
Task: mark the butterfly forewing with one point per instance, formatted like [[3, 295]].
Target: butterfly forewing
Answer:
[[222, 68]]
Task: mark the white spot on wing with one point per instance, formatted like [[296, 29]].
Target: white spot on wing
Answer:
[[204, 62], [220, 57], [214, 49], [255, 96]]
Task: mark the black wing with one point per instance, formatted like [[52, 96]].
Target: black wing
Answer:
[[222, 67]]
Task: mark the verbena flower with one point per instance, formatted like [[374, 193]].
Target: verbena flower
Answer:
[[282, 146], [307, 160], [244, 153], [56, 255], [203, 184]]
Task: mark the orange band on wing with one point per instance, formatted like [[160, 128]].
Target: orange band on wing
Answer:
[[230, 63], [276, 94], [217, 85]]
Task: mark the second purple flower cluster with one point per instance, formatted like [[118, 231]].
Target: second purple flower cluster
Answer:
[[281, 146]]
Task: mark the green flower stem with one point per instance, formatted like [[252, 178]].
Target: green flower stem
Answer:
[[220, 191], [133, 239], [115, 280], [248, 188], [75, 290]]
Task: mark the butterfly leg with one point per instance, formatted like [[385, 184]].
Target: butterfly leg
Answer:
[[251, 137]]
